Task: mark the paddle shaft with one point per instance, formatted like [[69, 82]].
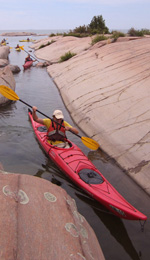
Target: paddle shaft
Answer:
[[30, 55], [48, 117], [10, 94]]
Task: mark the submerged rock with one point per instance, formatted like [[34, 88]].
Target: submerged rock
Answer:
[[43, 64], [14, 68]]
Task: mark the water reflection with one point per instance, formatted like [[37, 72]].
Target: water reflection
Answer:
[[51, 173], [7, 110], [114, 225], [100, 155]]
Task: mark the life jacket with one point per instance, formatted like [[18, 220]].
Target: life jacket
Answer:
[[56, 132]]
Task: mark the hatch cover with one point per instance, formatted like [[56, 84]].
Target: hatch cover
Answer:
[[91, 177]]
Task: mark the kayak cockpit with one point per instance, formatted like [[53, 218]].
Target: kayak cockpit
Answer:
[[65, 145]]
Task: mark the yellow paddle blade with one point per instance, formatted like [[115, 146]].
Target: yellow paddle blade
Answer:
[[8, 93], [90, 143], [21, 47]]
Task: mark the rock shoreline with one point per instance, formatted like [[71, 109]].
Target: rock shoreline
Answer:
[[39, 211], [105, 87], [80, 240], [11, 34]]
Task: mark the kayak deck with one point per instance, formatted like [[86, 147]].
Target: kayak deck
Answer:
[[75, 164], [17, 49], [30, 40]]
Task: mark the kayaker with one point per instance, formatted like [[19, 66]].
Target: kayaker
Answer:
[[17, 47], [28, 58], [3, 41], [55, 132]]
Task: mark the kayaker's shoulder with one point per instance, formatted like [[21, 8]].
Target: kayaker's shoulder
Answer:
[[67, 124], [47, 122], [46, 119]]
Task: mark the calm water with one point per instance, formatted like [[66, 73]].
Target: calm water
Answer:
[[21, 153]]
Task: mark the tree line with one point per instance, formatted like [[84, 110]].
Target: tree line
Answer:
[[97, 26]]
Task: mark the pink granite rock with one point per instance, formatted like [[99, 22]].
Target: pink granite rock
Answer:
[[106, 89], [14, 68], [1, 166], [7, 79], [39, 220], [4, 52]]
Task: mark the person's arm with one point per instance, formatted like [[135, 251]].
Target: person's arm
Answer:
[[74, 130], [68, 127], [35, 117]]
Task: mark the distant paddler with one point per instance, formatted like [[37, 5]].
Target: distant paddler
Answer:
[[28, 58], [17, 48], [3, 42]]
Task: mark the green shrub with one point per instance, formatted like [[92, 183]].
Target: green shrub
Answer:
[[67, 56], [80, 29], [116, 35], [44, 45], [133, 32], [55, 34], [146, 31], [52, 34], [79, 35], [99, 38], [98, 24]]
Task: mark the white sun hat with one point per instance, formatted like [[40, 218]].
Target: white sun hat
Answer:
[[58, 114]]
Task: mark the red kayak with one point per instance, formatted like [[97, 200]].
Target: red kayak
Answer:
[[74, 163], [28, 64]]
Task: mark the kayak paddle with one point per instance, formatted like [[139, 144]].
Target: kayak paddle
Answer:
[[18, 47], [10, 94], [21, 47]]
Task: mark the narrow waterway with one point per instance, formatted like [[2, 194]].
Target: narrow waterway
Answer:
[[21, 153]]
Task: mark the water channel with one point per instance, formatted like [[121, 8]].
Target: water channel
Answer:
[[21, 153]]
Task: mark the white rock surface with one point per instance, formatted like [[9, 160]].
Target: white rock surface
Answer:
[[7, 79], [60, 46], [3, 63], [106, 88], [4, 52]]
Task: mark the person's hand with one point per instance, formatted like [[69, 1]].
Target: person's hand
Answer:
[[34, 108], [67, 128]]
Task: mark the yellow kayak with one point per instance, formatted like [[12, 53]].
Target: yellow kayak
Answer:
[[27, 40], [17, 49], [3, 43]]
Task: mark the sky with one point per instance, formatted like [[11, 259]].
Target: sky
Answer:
[[69, 14]]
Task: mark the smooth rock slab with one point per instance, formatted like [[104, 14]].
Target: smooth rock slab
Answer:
[[106, 90], [3, 63], [7, 79], [40, 221], [4, 52]]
